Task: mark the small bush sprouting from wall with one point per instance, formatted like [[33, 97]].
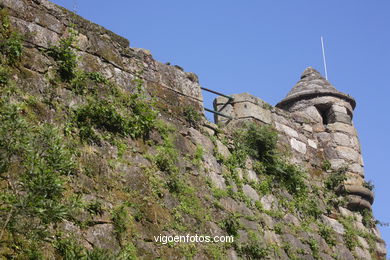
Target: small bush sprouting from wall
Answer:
[[260, 142]]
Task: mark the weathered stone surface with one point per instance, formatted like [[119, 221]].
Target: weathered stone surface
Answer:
[[271, 238], [298, 145], [346, 212], [312, 143], [339, 117], [337, 163], [36, 34], [308, 128], [269, 202], [248, 224], [211, 164], [325, 256], [337, 226], [222, 149], [250, 192], [305, 124], [217, 180], [381, 249], [339, 109], [362, 253], [312, 113], [199, 139], [247, 109], [286, 129], [347, 153], [266, 220], [356, 167], [343, 253], [291, 219], [341, 139], [232, 254], [323, 137], [103, 236], [295, 242], [341, 127], [252, 176], [363, 242], [235, 207], [213, 229]]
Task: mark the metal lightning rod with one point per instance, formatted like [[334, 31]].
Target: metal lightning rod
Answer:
[[75, 6], [323, 56]]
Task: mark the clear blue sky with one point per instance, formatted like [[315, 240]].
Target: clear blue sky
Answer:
[[262, 47]]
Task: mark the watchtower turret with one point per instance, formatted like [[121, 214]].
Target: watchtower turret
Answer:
[[331, 112]]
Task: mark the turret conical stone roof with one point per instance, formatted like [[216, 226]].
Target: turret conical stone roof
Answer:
[[312, 84]]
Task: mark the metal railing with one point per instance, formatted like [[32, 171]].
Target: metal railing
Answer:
[[230, 99]]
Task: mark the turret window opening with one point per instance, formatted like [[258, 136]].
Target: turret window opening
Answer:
[[324, 111]]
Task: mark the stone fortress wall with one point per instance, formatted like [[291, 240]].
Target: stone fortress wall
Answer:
[[314, 120], [44, 23]]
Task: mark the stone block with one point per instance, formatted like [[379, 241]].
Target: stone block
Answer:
[[381, 248], [347, 153], [217, 180], [308, 128], [36, 34], [341, 127], [269, 202], [271, 238], [233, 206], [339, 109], [199, 139], [312, 143], [286, 129], [357, 168], [363, 242], [252, 176], [250, 192], [362, 253], [222, 149], [337, 226], [339, 117], [341, 139], [247, 109], [312, 113], [298, 145], [103, 236]]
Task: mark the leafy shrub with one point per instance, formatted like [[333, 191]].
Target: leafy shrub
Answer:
[[97, 77], [368, 218], [39, 160], [336, 178], [69, 249], [10, 42], [260, 142], [120, 219], [95, 208], [65, 56], [254, 249], [191, 115], [326, 165], [167, 156], [127, 114], [4, 75], [315, 249], [327, 233], [369, 185], [231, 224], [350, 235]]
